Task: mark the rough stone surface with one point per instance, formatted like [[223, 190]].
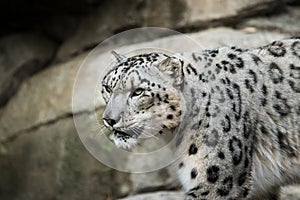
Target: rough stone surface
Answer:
[[47, 16], [21, 55], [109, 19], [61, 27], [50, 97], [164, 195], [287, 22], [51, 90], [51, 163], [185, 14], [197, 14]]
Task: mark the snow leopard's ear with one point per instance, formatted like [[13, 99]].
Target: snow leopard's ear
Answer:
[[119, 57], [172, 67]]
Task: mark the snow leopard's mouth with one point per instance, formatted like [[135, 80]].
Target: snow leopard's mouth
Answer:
[[121, 134], [124, 140]]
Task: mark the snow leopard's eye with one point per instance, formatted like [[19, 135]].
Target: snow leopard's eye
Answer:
[[107, 89], [138, 92]]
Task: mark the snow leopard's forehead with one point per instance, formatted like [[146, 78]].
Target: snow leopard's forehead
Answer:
[[133, 66]]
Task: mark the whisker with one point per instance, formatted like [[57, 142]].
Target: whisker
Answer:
[[146, 133], [135, 131], [138, 131], [150, 127]]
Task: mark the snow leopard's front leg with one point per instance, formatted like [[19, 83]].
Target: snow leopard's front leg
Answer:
[[216, 161]]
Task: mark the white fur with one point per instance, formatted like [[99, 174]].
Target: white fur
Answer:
[[128, 144]]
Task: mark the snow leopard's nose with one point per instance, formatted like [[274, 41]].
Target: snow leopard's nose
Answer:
[[109, 122]]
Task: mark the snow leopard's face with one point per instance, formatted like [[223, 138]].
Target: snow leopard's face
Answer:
[[142, 97]]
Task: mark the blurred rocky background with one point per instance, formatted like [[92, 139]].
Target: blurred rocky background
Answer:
[[43, 43]]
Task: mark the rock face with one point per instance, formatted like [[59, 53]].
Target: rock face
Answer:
[[50, 162], [21, 55], [51, 92], [110, 18], [287, 22], [202, 13]]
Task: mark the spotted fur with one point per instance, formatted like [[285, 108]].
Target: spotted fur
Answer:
[[235, 113]]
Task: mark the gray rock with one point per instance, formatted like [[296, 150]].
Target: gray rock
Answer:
[[287, 22], [107, 20], [21, 55], [61, 27], [164, 195], [110, 19], [198, 14], [50, 97], [50, 162], [51, 90]]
